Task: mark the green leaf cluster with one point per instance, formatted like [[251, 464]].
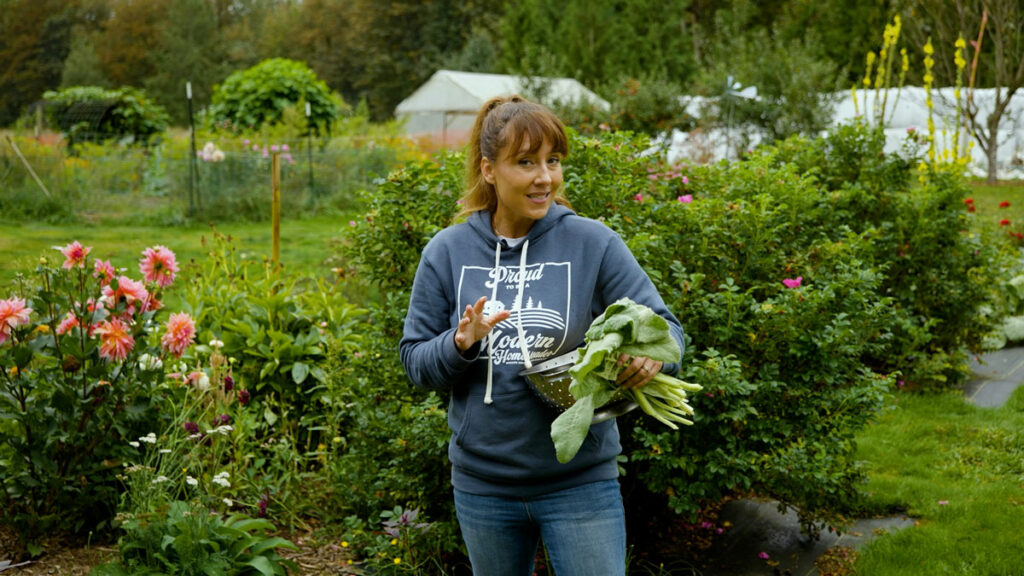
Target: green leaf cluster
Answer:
[[249, 99], [185, 539], [94, 113]]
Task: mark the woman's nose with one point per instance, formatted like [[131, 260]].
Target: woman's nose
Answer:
[[544, 174]]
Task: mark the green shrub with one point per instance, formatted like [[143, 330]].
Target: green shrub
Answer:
[[250, 98], [800, 311], [185, 539], [94, 113]]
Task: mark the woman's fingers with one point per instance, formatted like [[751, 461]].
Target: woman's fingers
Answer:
[[474, 324], [637, 371]]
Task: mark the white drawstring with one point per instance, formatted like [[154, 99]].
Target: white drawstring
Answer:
[[494, 298], [521, 333], [519, 319]]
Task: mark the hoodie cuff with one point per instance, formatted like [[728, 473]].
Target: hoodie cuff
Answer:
[[459, 361]]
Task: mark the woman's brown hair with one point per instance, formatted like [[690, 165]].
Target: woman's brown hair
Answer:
[[501, 126]]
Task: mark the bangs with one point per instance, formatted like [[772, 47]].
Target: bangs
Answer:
[[536, 124]]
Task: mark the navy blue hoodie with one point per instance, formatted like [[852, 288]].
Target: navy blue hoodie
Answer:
[[566, 272]]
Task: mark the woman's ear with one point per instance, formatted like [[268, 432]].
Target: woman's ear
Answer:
[[487, 170]]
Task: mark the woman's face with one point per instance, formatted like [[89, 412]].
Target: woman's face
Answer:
[[526, 183]]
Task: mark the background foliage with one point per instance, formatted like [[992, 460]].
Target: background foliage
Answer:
[[365, 50]]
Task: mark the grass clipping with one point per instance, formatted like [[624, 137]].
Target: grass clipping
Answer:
[[625, 328]]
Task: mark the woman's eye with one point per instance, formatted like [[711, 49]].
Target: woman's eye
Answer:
[[525, 162], [554, 161]]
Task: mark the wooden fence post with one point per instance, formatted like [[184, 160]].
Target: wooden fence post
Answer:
[[275, 208]]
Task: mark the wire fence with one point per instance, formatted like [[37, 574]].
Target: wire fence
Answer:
[[166, 184]]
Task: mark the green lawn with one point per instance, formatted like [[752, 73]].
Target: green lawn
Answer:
[[959, 470], [305, 244]]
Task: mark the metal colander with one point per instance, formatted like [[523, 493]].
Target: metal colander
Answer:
[[550, 380]]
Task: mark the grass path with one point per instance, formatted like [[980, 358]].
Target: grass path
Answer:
[[959, 469]]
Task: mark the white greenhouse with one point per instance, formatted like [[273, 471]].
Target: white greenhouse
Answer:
[[444, 107]]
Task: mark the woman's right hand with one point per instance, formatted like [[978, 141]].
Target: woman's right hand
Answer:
[[474, 325]]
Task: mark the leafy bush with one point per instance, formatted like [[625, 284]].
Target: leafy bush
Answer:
[[250, 98], [190, 491], [81, 357], [787, 273], [184, 539], [392, 437], [94, 113]]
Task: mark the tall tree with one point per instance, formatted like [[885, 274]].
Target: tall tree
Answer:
[[82, 67], [188, 49], [128, 39], [35, 38], [1000, 59]]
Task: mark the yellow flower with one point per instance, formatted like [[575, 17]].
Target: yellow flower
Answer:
[[344, 544], [394, 541], [398, 560], [42, 329], [960, 42]]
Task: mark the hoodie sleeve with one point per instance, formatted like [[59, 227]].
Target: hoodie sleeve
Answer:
[[621, 276], [427, 348]]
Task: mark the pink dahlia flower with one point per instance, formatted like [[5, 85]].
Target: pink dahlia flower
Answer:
[[74, 254], [69, 322], [181, 333], [127, 289], [13, 313], [104, 271], [158, 265], [115, 340]]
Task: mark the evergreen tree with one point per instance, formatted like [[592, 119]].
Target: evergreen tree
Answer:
[[189, 49], [82, 66]]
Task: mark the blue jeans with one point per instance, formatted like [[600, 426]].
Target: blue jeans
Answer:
[[583, 529]]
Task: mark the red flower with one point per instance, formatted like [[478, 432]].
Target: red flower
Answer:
[[1004, 204], [1004, 222], [968, 200], [970, 207]]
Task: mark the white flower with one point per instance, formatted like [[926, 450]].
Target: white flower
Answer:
[[222, 429], [134, 444], [217, 156], [160, 479], [216, 343], [148, 438], [150, 363], [204, 382], [227, 501], [191, 481], [165, 450], [221, 479]]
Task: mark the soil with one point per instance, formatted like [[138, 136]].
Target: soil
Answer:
[[72, 557]]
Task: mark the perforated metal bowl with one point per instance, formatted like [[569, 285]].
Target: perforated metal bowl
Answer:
[[550, 380]]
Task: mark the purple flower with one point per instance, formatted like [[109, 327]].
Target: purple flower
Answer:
[[763, 555], [191, 427], [243, 397], [222, 420], [229, 384], [793, 282], [284, 147], [262, 508]]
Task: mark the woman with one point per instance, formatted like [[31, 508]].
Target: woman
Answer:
[[518, 282]]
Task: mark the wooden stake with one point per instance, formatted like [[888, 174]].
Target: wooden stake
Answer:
[[275, 207], [27, 165]]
